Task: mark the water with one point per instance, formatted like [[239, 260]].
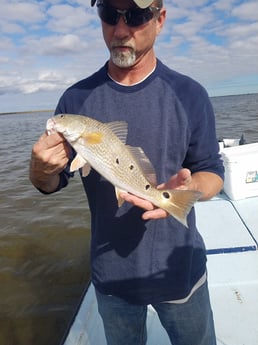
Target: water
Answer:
[[43, 243], [44, 239], [237, 115]]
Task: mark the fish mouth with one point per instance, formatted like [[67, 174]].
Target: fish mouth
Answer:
[[50, 127]]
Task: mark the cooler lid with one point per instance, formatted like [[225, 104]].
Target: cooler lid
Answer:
[[242, 152]]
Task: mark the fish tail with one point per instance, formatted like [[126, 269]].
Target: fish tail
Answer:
[[180, 202]]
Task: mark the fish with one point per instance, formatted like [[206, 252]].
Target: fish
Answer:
[[102, 146]]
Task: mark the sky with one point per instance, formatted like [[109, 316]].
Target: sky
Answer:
[[46, 46]]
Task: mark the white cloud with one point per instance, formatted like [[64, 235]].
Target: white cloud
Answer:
[[66, 18], [246, 11], [224, 5], [21, 12], [195, 23], [48, 45], [66, 44], [10, 28], [49, 76], [4, 59], [43, 81], [189, 4], [55, 45], [238, 31]]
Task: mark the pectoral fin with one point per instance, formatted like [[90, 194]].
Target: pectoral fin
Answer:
[[77, 163]]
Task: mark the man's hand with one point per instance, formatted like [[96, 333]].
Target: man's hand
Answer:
[[179, 181], [207, 183], [50, 155]]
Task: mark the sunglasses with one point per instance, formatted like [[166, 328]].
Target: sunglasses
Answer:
[[133, 16]]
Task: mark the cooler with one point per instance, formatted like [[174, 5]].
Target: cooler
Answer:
[[241, 171]]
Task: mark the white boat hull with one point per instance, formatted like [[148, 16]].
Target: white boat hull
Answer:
[[230, 231]]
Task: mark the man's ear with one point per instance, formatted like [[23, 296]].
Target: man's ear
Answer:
[[160, 20]]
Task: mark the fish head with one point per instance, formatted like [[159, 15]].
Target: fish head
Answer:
[[68, 125]]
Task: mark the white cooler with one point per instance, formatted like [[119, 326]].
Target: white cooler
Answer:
[[241, 171]]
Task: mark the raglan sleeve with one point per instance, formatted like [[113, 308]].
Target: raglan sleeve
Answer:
[[203, 149]]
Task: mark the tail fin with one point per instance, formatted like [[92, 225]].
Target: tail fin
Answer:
[[180, 203]]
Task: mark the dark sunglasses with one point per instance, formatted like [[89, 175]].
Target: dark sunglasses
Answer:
[[132, 17]]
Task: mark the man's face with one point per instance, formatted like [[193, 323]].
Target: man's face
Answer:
[[127, 45]]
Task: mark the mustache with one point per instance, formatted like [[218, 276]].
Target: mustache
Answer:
[[121, 43]]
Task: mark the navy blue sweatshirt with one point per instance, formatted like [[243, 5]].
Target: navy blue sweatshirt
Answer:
[[170, 116]]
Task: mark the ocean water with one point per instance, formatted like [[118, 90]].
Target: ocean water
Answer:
[[237, 115], [44, 239], [43, 243]]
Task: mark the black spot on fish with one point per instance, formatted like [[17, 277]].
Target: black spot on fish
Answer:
[[117, 161], [166, 195], [147, 186], [131, 167]]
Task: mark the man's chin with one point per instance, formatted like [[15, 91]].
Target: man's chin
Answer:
[[123, 60]]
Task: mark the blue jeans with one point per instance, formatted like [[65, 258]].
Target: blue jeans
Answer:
[[190, 323]]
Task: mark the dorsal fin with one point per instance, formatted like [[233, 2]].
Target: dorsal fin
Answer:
[[144, 163], [120, 128]]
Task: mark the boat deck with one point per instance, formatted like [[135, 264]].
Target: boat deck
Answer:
[[230, 231]]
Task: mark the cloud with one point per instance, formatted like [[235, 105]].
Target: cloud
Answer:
[[56, 45], [210, 44], [224, 5], [21, 12], [67, 19], [45, 46], [246, 11], [43, 81], [240, 31]]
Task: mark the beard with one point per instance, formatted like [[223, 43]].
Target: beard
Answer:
[[123, 59]]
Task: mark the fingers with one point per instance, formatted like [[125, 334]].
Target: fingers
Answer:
[[48, 141], [152, 212], [182, 180], [157, 213], [184, 176], [179, 181], [136, 201], [50, 155]]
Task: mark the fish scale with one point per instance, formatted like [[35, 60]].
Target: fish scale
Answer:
[[102, 146]]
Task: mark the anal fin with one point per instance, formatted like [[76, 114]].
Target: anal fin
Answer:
[[120, 201]]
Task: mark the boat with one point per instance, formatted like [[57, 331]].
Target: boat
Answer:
[[229, 226]]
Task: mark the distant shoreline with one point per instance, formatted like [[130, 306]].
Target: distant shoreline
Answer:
[[51, 110], [26, 112]]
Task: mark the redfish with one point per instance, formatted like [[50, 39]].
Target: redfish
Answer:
[[102, 146]]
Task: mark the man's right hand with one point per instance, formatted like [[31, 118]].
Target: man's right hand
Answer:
[[50, 155]]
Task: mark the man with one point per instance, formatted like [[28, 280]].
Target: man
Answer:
[[139, 254]]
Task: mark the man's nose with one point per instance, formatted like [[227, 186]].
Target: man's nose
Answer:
[[121, 29]]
